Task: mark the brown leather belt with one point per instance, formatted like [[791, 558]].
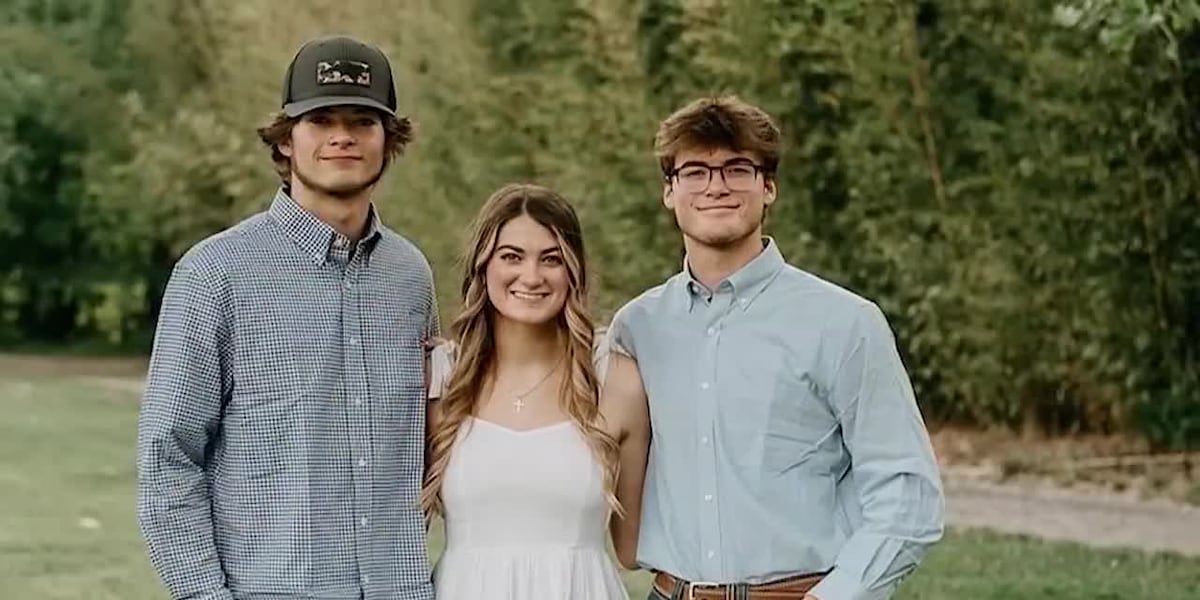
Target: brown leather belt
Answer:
[[792, 588]]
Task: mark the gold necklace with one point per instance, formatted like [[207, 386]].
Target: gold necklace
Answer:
[[519, 400]]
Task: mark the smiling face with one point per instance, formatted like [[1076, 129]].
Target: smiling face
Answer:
[[527, 277], [337, 151], [722, 209]]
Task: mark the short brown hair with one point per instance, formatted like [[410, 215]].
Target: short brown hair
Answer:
[[397, 134], [718, 122]]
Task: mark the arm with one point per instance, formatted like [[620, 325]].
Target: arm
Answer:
[[433, 326], [894, 469], [625, 411], [439, 365], [186, 386], [436, 363]]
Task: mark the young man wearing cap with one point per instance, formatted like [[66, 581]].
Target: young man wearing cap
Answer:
[[280, 443], [788, 459]]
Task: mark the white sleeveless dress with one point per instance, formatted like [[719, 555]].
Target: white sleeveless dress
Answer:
[[525, 514]]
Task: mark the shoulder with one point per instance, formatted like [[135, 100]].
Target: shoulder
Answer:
[[844, 313], [227, 246], [797, 283], [442, 358], [445, 350], [403, 249], [603, 351], [404, 264], [221, 251], [795, 280], [648, 302], [622, 393]]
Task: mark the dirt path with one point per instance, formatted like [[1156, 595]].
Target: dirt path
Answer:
[[51, 366], [1099, 520], [1095, 519]]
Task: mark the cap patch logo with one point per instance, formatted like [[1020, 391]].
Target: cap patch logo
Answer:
[[331, 72]]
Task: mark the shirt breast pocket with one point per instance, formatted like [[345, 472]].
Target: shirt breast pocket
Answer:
[[799, 423], [781, 412], [401, 342]]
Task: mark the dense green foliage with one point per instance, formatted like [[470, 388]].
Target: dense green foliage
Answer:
[[1017, 183]]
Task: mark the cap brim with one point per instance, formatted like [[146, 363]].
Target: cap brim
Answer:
[[295, 109]]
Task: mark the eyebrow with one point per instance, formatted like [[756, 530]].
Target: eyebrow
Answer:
[[732, 161], [519, 250]]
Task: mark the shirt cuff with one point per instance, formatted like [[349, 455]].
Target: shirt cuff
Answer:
[[221, 594], [837, 585]]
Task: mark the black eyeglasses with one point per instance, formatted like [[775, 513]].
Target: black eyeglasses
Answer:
[[696, 177]]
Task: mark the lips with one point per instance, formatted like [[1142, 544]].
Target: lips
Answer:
[[529, 296]]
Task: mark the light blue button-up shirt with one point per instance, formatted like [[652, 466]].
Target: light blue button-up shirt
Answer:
[[786, 436]]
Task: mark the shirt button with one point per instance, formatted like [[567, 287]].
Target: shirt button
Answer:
[[347, 284], [366, 579], [353, 341], [711, 554], [712, 331], [358, 401], [362, 462], [743, 301], [708, 497], [704, 440], [363, 521], [704, 385]]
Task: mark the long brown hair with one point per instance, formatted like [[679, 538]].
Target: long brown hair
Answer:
[[473, 335]]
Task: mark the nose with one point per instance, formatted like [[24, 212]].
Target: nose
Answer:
[[340, 135], [531, 274], [716, 185]]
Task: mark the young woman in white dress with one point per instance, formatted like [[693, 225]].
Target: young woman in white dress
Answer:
[[531, 470]]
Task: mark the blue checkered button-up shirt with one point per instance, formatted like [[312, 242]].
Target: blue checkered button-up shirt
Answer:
[[280, 444]]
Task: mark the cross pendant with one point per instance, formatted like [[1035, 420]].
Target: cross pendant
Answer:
[[518, 404]]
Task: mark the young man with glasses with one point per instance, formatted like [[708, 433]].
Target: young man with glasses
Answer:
[[788, 459]]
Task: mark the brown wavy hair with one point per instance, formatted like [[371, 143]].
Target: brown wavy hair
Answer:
[[472, 333], [397, 135], [720, 122]]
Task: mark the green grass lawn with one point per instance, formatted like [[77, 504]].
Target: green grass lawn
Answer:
[[67, 527]]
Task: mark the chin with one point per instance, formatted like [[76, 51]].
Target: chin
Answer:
[[720, 239], [347, 183], [348, 186], [534, 318], [345, 192]]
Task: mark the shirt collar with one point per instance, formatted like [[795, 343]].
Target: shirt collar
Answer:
[[746, 283], [314, 236]]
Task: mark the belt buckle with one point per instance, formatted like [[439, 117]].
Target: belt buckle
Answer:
[[691, 595]]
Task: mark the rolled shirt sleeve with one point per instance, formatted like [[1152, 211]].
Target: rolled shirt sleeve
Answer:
[[893, 466]]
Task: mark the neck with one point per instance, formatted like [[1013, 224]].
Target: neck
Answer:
[[346, 215], [710, 265], [522, 344]]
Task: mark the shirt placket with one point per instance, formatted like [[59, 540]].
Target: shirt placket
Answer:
[[709, 323], [358, 403]]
